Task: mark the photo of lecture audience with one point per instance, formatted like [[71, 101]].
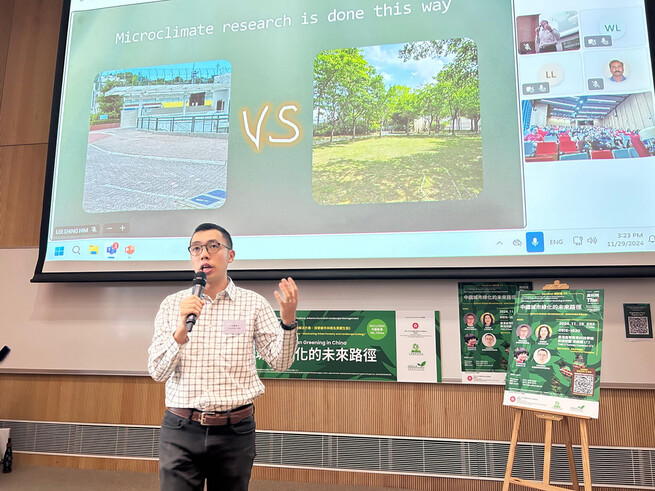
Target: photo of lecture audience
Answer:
[[588, 127]]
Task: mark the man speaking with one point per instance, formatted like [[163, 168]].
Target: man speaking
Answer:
[[208, 430], [546, 38]]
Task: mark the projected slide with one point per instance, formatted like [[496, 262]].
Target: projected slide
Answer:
[[403, 137]]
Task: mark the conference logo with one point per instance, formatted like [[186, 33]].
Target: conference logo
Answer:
[[377, 329], [419, 367], [416, 350]]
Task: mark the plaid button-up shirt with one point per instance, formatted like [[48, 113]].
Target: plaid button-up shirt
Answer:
[[215, 370]]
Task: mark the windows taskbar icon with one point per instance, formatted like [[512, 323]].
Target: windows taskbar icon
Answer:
[[114, 249], [534, 242], [110, 250]]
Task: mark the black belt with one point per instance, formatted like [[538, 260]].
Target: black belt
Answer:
[[214, 418]]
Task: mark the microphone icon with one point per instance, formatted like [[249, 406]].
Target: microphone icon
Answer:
[[534, 242]]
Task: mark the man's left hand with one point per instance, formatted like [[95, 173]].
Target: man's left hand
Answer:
[[288, 300]]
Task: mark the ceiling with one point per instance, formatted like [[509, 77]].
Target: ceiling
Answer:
[[584, 107]]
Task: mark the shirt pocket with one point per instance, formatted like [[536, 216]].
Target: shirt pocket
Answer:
[[237, 352]]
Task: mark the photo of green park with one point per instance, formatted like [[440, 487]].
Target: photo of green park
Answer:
[[397, 123]]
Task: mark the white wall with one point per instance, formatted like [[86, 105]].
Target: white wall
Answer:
[[106, 328]]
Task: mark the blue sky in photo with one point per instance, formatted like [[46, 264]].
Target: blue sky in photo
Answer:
[[395, 71]]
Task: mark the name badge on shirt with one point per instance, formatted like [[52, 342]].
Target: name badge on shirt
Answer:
[[237, 326]]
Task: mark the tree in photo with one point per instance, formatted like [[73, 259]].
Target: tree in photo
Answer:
[[459, 79], [404, 106], [347, 91], [109, 105], [431, 102]]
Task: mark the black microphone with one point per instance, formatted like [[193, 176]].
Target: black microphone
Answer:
[[199, 282]]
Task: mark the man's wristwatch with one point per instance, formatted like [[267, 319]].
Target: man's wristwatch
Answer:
[[289, 327]]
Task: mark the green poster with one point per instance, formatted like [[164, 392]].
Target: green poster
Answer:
[[364, 345], [486, 314], [556, 351]]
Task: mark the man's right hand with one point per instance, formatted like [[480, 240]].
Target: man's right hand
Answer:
[[189, 305]]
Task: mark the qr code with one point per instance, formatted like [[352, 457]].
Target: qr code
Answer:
[[638, 325], [583, 384]]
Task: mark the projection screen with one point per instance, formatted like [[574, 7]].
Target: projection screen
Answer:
[[352, 139]]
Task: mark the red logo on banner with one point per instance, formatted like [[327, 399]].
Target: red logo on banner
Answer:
[[415, 325]]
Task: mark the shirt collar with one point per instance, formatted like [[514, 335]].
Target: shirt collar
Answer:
[[230, 291]]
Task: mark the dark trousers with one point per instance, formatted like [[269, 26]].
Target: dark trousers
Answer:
[[189, 453]]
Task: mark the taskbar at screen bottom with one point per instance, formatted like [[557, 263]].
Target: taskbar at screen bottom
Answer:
[[546, 265], [482, 248]]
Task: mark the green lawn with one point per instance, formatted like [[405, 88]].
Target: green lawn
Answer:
[[396, 169]]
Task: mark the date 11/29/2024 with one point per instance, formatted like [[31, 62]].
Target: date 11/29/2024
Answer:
[[627, 239]]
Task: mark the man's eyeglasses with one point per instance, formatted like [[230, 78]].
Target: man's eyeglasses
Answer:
[[212, 248]]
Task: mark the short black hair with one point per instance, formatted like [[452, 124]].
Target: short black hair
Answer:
[[213, 226], [615, 61]]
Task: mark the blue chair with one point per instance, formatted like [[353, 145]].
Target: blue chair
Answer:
[[574, 156], [633, 152], [621, 153], [529, 148], [550, 138]]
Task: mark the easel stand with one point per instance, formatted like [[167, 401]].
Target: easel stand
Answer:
[[549, 418]]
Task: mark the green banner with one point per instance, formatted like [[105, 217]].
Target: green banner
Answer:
[[486, 316], [556, 351], [363, 345]]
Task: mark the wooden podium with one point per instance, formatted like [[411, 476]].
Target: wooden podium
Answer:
[[549, 418]]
